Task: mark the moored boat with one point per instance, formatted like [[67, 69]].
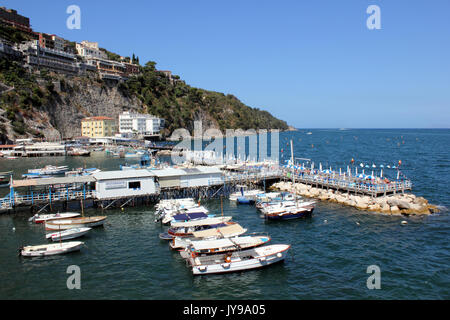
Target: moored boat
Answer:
[[217, 246], [50, 170], [244, 193], [189, 230], [68, 234], [50, 249], [229, 231], [291, 213], [51, 217], [238, 260], [66, 224]]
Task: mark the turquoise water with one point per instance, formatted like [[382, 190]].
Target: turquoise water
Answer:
[[329, 256]]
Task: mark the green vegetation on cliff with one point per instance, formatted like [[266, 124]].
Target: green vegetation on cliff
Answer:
[[169, 98], [181, 104]]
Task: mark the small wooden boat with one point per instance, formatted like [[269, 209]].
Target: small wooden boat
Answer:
[[187, 229], [68, 234], [234, 230], [90, 222], [238, 260], [217, 246], [291, 213], [51, 217], [50, 249]]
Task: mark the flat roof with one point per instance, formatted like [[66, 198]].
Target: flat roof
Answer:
[[125, 174], [52, 181], [172, 172]]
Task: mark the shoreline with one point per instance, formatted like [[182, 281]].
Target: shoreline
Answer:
[[395, 204]]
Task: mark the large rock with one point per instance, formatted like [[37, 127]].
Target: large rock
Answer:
[[374, 207], [386, 208], [395, 211], [401, 204]]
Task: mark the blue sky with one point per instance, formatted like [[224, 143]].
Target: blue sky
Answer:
[[314, 64]]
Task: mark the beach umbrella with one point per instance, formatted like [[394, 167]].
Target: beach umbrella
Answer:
[[361, 165]]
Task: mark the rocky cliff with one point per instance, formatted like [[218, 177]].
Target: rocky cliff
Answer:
[[51, 106]]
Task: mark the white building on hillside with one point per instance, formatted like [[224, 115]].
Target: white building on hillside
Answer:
[[90, 50], [135, 123]]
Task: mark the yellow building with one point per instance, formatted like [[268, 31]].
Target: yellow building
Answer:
[[98, 127]]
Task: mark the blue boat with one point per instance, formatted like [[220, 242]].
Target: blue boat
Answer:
[[245, 200]]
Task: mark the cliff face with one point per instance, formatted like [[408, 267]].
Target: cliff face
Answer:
[[80, 98], [51, 106]]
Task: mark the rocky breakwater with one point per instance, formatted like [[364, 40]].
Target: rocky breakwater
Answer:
[[399, 204]]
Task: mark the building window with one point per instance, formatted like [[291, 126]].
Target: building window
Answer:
[[134, 185]]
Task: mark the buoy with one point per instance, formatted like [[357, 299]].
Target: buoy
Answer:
[[358, 223], [404, 222], [122, 209], [14, 229], [325, 221]]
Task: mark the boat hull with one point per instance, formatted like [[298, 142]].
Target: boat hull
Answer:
[[43, 219], [52, 250], [290, 216], [243, 265], [73, 223], [67, 235]]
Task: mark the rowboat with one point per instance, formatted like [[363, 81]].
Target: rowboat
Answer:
[[68, 234], [90, 222], [52, 217], [50, 249], [238, 260], [228, 231], [217, 246], [187, 230], [291, 213]]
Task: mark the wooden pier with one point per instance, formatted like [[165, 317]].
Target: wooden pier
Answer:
[[349, 184], [48, 193], [60, 192]]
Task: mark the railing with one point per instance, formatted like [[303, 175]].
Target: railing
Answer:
[[351, 183], [32, 198]]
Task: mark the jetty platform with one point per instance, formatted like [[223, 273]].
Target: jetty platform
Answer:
[[205, 179]]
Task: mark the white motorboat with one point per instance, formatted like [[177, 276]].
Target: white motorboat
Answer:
[[91, 222], [50, 170], [200, 222], [50, 249], [238, 260], [167, 214], [243, 193], [68, 234], [51, 217], [285, 206]]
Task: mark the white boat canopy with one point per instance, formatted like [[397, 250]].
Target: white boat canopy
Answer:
[[227, 231]]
